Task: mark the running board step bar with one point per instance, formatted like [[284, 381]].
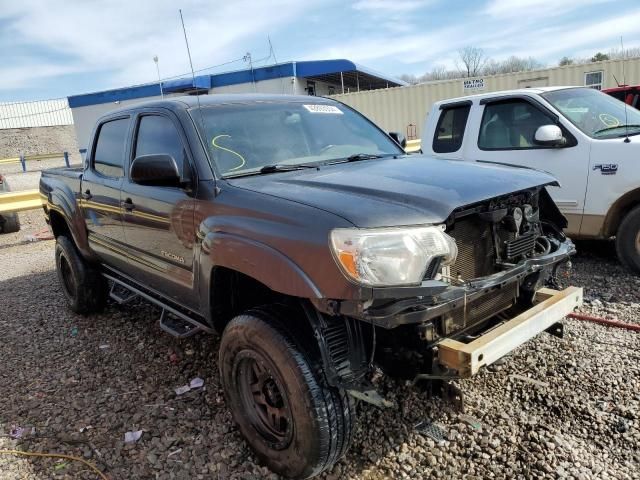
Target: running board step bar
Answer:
[[121, 294], [172, 320], [177, 326]]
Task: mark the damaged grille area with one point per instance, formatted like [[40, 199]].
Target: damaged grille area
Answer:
[[520, 246], [480, 309], [504, 230], [476, 250]]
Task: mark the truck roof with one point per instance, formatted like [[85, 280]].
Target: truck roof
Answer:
[[190, 101], [517, 91]]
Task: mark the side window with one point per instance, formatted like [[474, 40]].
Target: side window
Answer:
[[108, 157], [511, 125], [450, 129], [158, 134]]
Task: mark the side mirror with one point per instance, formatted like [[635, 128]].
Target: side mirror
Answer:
[[399, 139], [158, 170], [549, 135]]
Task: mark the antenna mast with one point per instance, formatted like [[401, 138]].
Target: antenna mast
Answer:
[[186, 41], [193, 73], [624, 81]]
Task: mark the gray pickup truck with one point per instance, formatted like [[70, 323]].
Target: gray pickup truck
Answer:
[[315, 246]]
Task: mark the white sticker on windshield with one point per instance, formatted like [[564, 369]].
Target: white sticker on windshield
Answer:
[[323, 109]]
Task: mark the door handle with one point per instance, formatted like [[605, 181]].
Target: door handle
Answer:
[[127, 205], [87, 195]]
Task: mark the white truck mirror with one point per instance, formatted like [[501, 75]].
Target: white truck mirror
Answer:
[[549, 135]]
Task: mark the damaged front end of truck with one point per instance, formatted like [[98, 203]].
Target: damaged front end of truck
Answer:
[[498, 289]]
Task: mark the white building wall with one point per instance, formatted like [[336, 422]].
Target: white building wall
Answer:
[[395, 109], [283, 85]]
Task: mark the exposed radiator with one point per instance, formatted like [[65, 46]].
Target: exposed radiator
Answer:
[[476, 251], [480, 309]]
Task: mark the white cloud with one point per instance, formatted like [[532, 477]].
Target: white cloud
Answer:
[[386, 6], [528, 9], [112, 42], [122, 36]]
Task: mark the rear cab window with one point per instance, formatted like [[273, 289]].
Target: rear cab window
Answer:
[[109, 152], [450, 127]]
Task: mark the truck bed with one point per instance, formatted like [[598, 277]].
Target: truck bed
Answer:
[[65, 179], [71, 172]]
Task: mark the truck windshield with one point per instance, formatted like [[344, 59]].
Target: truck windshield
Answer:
[[595, 113], [244, 138]]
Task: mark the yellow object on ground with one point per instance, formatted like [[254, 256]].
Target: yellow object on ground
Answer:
[[19, 201], [56, 455]]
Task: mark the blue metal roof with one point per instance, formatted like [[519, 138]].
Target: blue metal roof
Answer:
[[303, 69]]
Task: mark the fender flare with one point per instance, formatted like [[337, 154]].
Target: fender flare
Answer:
[[62, 200], [256, 260]]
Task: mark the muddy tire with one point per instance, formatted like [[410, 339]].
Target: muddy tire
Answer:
[[296, 424], [86, 290], [10, 223], [628, 240]]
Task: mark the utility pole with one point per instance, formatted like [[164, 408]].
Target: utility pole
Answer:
[[247, 58], [155, 59]]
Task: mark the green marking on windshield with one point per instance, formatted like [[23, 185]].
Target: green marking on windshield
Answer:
[[243, 162]]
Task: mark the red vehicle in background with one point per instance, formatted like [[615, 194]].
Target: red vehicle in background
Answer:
[[627, 94]]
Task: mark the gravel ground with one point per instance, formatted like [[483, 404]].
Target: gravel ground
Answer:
[[555, 408]]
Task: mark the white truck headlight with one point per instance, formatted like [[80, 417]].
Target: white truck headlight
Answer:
[[384, 257]]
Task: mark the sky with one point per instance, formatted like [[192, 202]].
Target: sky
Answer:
[[52, 48]]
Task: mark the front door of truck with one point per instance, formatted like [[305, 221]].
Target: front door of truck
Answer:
[[100, 195], [159, 220], [506, 135]]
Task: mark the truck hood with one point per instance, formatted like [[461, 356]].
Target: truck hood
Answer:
[[409, 190]]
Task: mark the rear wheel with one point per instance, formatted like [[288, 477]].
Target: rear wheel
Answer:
[[628, 240], [86, 290], [295, 423], [10, 223]]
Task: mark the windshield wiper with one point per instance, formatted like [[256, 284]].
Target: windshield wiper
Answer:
[[356, 157], [615, 128], [277, 167]]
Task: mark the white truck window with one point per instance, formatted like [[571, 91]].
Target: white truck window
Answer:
[[511, 125], [450, 128]]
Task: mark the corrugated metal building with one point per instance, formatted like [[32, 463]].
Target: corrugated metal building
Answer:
[[404, 109], [320, 77], [41, 113]]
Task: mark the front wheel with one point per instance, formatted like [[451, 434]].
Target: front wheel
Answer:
[[628, 240], [86, 290], [295, 423]]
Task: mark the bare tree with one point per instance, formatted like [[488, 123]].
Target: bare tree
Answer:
[[409, 78], [439, 72], [473, 60]]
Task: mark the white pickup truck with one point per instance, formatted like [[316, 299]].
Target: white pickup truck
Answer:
[[588, 140]]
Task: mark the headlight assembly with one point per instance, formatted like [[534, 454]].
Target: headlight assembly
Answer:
[[390, 256]]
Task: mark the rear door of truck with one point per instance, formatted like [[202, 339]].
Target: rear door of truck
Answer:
[[100, 189]]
